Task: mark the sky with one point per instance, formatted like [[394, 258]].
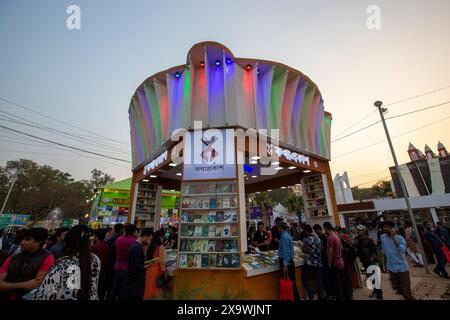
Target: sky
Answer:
[[86, 77]]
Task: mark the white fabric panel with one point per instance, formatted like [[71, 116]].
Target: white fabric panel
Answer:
[[437, 182], [409, 181]]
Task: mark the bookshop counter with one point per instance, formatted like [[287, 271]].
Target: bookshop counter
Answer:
[[247, 283]]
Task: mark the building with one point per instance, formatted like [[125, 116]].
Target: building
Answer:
[[427, 181]]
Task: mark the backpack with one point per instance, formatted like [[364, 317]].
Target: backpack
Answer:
[[348, 251]]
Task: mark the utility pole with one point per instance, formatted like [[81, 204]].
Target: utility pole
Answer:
[[379, 104], [9, 192]]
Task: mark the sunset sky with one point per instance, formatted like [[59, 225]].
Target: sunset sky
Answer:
[[86, 77]]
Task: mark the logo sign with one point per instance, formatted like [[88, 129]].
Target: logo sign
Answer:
[[156, 162], [373, 281], [288, 154], [209, 154]]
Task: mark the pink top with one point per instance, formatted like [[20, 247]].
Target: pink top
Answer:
[[123, 243], [334, 242]]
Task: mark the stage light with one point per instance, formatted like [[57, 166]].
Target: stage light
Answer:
[[202, 64], [228, 61], [217, 62], [177, 74], [248, 67]]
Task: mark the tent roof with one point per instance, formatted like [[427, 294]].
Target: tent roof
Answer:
[[119, 185]]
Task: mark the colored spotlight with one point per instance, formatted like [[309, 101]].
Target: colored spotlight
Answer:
[[228, 61], [202, 64], [248, 67], [218, 63], [177, 75]]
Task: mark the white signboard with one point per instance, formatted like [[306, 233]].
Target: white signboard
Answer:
[[209, 155]]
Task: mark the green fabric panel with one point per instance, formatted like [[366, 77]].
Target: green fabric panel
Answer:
[[277, 96]]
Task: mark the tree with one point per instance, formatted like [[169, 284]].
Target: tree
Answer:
[[293, 202], [263, 201], [380, 189], [98, 180]]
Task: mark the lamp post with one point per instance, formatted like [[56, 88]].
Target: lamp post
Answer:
[[379, 105]]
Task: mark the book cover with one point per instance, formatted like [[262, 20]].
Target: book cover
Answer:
[[205, 261], [205, 217], [197, 263], [185, 217], [205, 231], [234, 217], [198, 231], [235, 261], [199, 203], [218, 231], [233, 202], [227, 217], [212, 260], [183, 260], [234, 246], [183, 245], [212, 216], [192, 203], [190, 258], [197, 218], [219, 245], [219, 202], [220, 260], [206, 203], [212, 203], [211, 246], [212, 231], [185, 203], [184, 230], [226, 202], [219, 216], [227, 260], [234, 230], [204, 246], [186, 189], [191, 230], [189, 245], [226, 246], [226, 230], [197, 245]]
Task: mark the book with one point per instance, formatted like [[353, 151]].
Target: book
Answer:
[[226, 246], [185, 217], [226, 260], [219, 202], [190, 246], [197, 246], [220, 260], [234, 230], [186, 188], [185, 203], [197, 262], [235, 261], [219, 245], [205, 261], [190, 258], [212, 216], [205, 231], [212, 203], [198, 231], [234, 217], [212, 231], [219, 216], [192, 203], [226, 202], [183, 260], [233, 202], [234, 246], [205, 218], [211, 246], [183, 245], [191, 230], [184, 230], [227, 217], [204, 246], [226, 230], [218, 231], [212, 260], [199, 204], [206, 203]]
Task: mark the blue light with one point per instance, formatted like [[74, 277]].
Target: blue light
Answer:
[[177, 74], [217, 62], [228, 61], [248, 168]]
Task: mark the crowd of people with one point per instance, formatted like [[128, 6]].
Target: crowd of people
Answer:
[[331, 268], [84, 264]]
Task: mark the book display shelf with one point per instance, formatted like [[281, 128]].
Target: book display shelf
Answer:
[[315, 196]]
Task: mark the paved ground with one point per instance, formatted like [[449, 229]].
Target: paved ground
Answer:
[[425, 287]]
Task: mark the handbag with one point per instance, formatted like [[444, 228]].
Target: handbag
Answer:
[[446, 253], [286, 288]]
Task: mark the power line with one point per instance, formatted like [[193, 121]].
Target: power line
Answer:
[[59, 121], [393, 117], [356, 123], [64, 145], [81, 139], [399, 135], [419, 95], [376, 180]]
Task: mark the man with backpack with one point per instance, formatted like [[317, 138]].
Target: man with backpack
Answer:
[[339, 281]]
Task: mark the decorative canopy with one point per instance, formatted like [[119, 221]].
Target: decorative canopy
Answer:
[[224, 91]]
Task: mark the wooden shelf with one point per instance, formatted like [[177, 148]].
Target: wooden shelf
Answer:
[[209, 194], [201, 209]]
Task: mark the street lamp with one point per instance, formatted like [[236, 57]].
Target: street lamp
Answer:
[[379, 105]]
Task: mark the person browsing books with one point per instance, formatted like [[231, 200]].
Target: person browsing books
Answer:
[[261, 238]]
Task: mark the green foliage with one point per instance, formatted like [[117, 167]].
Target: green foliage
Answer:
[[293, 202], [379, 190], [40, 189]]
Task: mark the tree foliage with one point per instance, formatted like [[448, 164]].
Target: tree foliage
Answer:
[[40, 188], [381, 189]]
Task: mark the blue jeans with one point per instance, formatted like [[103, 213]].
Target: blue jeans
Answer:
[[307, 273]]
